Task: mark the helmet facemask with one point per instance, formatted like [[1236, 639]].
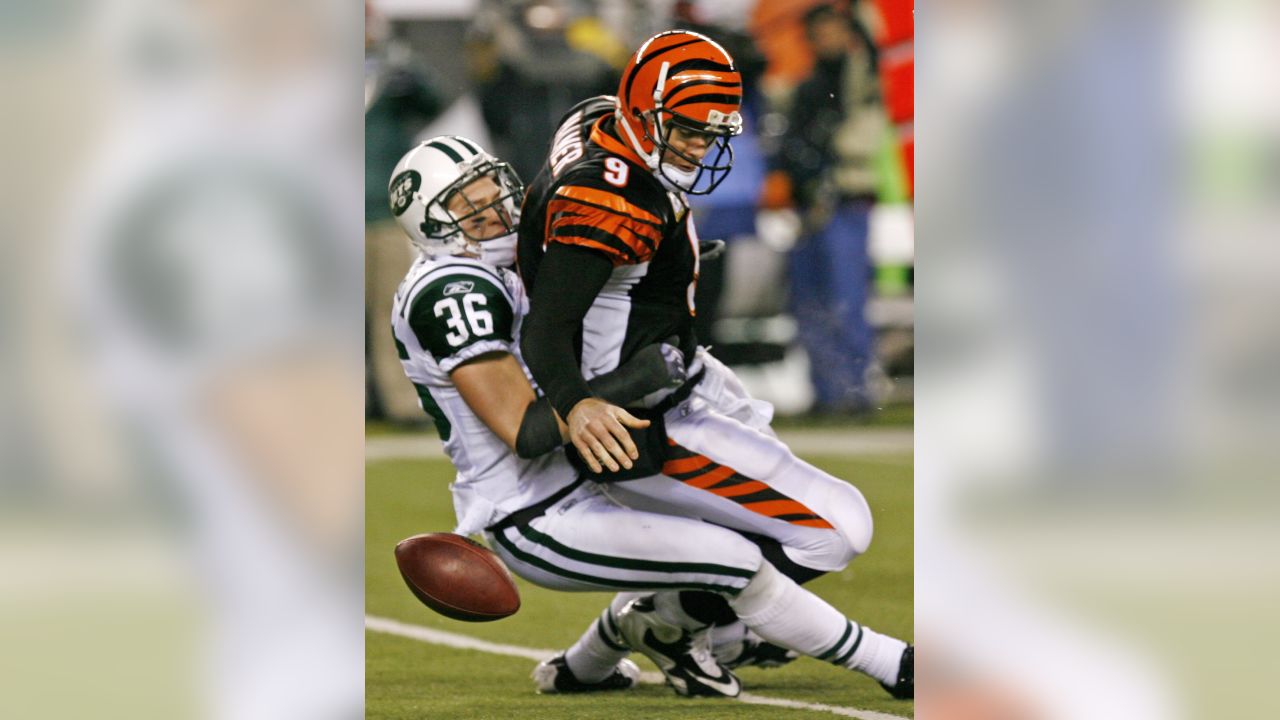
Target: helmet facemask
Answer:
[[478, 213], [463, 207], [708, 171]]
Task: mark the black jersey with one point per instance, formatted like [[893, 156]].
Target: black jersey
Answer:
[[595, 193]]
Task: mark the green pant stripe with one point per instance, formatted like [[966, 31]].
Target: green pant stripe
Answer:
[[538, 562], [848, 630], [631, 564]]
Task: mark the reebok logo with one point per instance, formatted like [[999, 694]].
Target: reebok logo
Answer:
[[461, 286]]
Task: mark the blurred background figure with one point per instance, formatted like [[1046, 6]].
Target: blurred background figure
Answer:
[[825, 166], [532, 60], [400, 101]]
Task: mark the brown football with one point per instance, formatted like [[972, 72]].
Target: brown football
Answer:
[[457, 577]]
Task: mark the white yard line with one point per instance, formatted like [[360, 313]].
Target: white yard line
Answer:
[[856, 441], [464, 642]]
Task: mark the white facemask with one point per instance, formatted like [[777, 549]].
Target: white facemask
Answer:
[[675, 179], [500, 251]]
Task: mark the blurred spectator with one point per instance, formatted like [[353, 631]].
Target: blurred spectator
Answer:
[[825, 167], [780, 33], [741, 46], [531, 60], [399, 102]]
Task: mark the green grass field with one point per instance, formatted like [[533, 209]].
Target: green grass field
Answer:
[[408, 678]]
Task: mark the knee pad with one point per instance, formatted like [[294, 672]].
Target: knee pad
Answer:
[[832, 550], [849, 513]]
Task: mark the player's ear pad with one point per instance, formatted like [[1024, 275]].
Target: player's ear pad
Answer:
[[651, 443]]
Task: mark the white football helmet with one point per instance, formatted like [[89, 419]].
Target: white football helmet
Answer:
[[453, 198]]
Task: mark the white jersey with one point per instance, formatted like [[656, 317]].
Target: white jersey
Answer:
[[447, 311]]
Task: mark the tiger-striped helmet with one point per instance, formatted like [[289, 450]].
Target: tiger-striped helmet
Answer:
[[680, 79]]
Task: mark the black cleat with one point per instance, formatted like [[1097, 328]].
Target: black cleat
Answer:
[[761, 654], [554, 676], [905, 688]]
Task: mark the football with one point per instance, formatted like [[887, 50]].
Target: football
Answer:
[[457, 577]]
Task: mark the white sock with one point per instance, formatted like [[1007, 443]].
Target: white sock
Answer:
[[874, 654], [784, 613], [594, 656], [728, 641]]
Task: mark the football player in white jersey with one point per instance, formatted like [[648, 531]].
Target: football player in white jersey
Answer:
[[457, 322]]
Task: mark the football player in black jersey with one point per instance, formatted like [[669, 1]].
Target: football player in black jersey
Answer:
[[610, 257]]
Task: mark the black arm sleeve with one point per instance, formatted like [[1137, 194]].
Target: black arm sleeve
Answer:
[[648, 371], [569, 278]]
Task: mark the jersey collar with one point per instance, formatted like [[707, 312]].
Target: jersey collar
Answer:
[[610, 142]]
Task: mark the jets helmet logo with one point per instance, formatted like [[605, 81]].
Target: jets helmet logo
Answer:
[[403, 187]]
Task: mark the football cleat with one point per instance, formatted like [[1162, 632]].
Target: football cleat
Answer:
[[761, 654], [554, 676], [684, 657], [905, 688]]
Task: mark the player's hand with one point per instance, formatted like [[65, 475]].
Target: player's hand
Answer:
[[599, 431]]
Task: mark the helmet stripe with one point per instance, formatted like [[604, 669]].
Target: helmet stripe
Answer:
[[733, 100], [659, 53], [444, 148], [693, 88], [475, 150], [699, 64]]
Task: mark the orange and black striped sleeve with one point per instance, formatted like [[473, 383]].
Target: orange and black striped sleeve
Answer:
[[604, 221]]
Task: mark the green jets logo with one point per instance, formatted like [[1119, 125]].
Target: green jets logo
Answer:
[[403, 187]]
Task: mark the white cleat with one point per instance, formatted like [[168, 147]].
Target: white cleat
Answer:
[[684, 657]]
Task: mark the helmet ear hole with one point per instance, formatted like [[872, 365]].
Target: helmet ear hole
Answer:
[[431, 227]]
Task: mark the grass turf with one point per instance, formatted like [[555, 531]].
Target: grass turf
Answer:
[[410, 679]]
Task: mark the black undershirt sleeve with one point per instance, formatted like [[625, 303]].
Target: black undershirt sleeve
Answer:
[[647, 371], [569, 278]]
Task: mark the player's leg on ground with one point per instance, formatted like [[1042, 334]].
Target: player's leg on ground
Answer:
[[782, 612], [595, 655], [587, 542], [732, 643]]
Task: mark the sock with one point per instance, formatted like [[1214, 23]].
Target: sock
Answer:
[[872, 653], [784, 613], [594, 656], [728, 641]]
